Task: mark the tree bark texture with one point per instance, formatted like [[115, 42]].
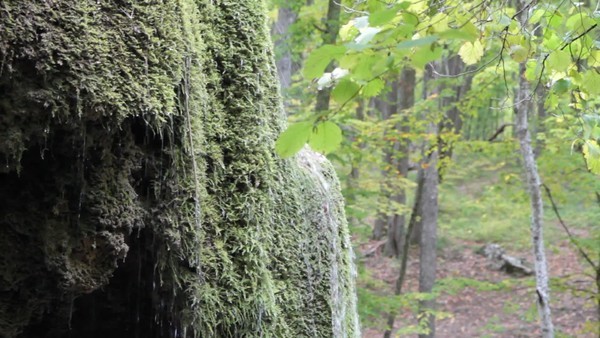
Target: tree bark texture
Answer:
[[418, 229], [428, 242], [537, 207], [332, 27], [286, 17], [141, 195], [429, 215], [406, 100], [387, 106], [523, 106]]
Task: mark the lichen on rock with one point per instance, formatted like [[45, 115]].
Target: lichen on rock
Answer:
[[141, 192]]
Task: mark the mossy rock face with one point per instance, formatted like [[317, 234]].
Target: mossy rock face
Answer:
[[141, 195]]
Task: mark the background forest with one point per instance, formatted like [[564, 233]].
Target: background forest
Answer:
[[454, 125]]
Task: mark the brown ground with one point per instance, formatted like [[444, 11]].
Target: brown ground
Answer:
[[507, 313]]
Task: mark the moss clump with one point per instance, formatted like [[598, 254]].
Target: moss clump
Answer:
[[145, 131]]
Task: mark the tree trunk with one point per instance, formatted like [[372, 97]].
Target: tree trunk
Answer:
[[523, 106], [451, 125], [332, 27], [537, 208], [352, 183], [404, 253], [406, 100], [428, 252], [387, 106], [286, 17], [141, 195], [429, 218]]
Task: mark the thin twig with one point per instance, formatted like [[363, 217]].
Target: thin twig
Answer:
[[500, 131], [569, 234]]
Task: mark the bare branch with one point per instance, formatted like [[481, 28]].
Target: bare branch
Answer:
[[500, 131], [569, 234]]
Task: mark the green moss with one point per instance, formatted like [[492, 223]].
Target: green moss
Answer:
[[163, 115]]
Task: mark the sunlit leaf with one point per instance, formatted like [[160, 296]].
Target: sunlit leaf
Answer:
[[373, 88], [559, 60], [293, 139], [591, 82], [471, 52], [425, 55], [366, 35], [458, 34], [418, 42], [519, 53], [594, 59], [319, 59], [381, 17], [591, 151], [439, 22], [348, 31], [344, 91], [326, 137]]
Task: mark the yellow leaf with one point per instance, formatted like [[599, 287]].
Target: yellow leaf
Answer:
[[471, 52], [519, 53]]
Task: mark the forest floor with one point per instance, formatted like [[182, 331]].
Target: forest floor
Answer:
[[473, 309], [483, 200]]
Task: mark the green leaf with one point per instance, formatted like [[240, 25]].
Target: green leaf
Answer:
[[418, 42], [591, 82], [551, 41], [319, 59], [381, 17], [425, 55], [326, 137], [591, 152], [373, 88], [538, 14], [559, 60], [366, 35], [410, 18], [439, 22], [471, 52], [533, 69], [594, 59], [458, 34], [293, 139], [348, 31], [369, 66], [344, 91], [519, 53], [561, 86]]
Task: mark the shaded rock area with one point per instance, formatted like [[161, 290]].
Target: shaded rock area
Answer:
[[499, 260], [140, 195]]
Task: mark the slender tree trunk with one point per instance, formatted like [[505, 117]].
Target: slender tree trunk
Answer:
[[523, 107], [332, 27], [286, 17], [415, 237], [429, 218], [404, 251], [406, 100], [428, 252], [540, 96], [386, 105], [353, 178], [451, 124]]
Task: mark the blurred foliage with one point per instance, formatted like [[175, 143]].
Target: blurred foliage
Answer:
[[483, 195]]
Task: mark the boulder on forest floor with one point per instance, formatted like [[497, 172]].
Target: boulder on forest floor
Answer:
[[499, 260]]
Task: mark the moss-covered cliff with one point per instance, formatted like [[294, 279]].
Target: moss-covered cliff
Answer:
[[139, 192]]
